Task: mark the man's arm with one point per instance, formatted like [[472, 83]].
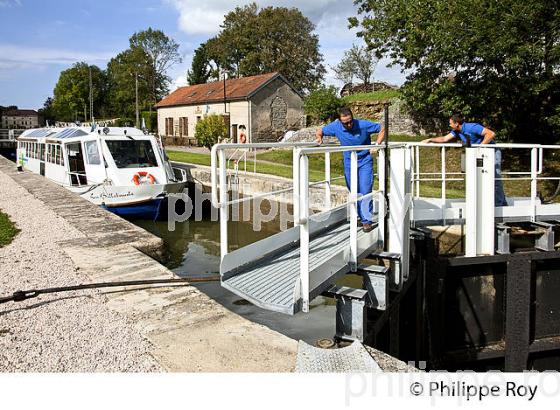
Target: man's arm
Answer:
[[446, 138], [381, 135], [319, 136], [488, 136]]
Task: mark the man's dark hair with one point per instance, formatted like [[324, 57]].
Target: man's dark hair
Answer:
[[344, 112], [458, 118], [242, 127]]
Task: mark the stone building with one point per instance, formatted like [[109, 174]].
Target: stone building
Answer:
[[266, 104], [20, 119]]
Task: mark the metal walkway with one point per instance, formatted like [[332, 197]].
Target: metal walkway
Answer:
[[272, 281]]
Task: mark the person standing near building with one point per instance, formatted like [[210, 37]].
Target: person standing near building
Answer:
[[242, 134], [474, 133], [351, 132]]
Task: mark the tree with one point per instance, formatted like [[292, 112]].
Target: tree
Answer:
[[200, 68], [322, 104], [357, 62], [162, 53], [494, 61], [47, 113], [254, 41], [71, 93], [210, 130], [121, 76]]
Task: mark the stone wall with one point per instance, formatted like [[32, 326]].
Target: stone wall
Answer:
[[400, 120]]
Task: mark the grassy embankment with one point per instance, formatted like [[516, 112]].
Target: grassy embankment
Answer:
[[7, 230]]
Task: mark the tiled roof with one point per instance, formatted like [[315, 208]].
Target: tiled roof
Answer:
[[236, 89], [20, 113]]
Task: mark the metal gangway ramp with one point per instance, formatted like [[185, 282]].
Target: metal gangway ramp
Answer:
[[285, 271]]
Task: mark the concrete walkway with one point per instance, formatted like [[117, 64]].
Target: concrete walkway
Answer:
[[188, 331]]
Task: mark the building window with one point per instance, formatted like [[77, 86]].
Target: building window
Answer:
[[183, 127], [169, 127]]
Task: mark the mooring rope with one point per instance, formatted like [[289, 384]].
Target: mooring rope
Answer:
[[22, 295]]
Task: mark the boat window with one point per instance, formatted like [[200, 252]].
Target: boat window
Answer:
[[92, 153], [132, 154]]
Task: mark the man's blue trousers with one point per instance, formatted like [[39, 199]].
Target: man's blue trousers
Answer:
[[365, 185]]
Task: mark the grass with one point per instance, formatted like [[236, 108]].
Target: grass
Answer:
[[373, 96], [7, 230], [279, 163]]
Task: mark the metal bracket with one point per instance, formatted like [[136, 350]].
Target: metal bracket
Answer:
[[351, 312], [545, 242], [376, 283]]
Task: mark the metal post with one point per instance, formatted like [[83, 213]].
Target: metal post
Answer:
[[387, 165], [382, 196], [534, 193], [417, 165], [328, 180], [223, 205], [354, 211], [296, 184], [443, 184], [304, 232]]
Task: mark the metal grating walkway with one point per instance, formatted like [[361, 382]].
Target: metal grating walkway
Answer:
[[273, 282]]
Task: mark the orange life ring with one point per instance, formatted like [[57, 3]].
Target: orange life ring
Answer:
[[147, 175]]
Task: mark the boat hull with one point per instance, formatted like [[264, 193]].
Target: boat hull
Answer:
[[146, 201]]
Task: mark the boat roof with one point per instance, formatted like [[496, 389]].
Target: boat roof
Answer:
[[67, 134]]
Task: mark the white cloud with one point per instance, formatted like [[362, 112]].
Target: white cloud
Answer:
[[205, 17], [13, 56]]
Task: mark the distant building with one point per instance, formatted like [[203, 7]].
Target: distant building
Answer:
[[266, 104], [20, 119]]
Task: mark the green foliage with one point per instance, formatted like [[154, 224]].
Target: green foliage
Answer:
[[47, 112], [125, 122], [71, 93], [200, 67], [359, 62], [150, 118], [322, 104], [210, 130], [7, 230], [495, 61], [254, 41]]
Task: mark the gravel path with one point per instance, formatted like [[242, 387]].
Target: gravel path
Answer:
[[69, 332]]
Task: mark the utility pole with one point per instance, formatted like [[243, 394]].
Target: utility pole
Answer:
[[136, 90]]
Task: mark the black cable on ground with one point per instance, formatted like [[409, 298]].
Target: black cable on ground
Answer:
[[22, 295]]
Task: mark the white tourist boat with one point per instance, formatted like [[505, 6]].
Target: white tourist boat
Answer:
[[120, 168]]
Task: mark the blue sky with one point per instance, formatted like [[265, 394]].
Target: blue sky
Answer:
[[40, 38]]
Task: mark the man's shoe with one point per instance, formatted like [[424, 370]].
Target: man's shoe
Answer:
[[367, 227]]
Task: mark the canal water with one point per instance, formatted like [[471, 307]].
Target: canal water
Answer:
[[193, 250]]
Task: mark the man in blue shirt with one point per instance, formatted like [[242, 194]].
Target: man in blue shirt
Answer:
[[474, 133], [351, 132]]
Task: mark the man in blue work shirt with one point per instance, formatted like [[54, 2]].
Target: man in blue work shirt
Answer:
[[474, 133], [351, 132]]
